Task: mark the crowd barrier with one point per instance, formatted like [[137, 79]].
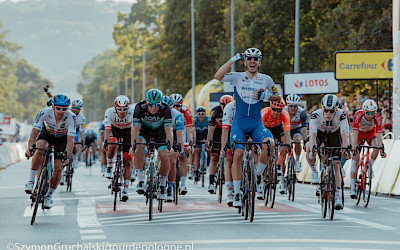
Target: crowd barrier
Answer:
[[386, 170], [11, 152]]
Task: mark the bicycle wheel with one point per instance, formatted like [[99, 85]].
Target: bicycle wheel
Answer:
[[267, 183], [38, 194], [367, 184], [176, 191], [220, 181], [68, 178], [252, 189], [331, 189], [290, 181], [274, 182], [151, 186], [203, 166], [323, 193]]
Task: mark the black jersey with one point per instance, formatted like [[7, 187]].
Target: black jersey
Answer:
[[216, 117], [149, 122]]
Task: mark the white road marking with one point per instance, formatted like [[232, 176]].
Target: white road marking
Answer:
[[54, 211], [91, 231], [94, 237]]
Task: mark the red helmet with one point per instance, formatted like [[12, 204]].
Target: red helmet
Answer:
[[225, 99], [279, 105]]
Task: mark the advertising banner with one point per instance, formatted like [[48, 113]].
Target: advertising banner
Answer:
[[311, 83], [363, 65], [396, 69]]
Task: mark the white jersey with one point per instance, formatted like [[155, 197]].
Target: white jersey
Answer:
[[67, 125], [229, 113], [339, 121], [80, 122], [111, 118], [243, 89], [299, 120]]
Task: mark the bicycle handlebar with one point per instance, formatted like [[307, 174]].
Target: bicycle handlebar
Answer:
[[151, 144]]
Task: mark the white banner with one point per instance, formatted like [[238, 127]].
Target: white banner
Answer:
[[311, 83], [396, 69]]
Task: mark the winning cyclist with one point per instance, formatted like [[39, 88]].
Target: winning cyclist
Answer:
[[54, 126], [201, 124], [367, 126], [118, 125], [152, 119], [276, 120], [329, 126], [190, 135], [179, 135], [251, 89], [214, 135], [229, 113], [298, 124]]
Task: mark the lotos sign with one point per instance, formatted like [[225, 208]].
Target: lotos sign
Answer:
[[310, 83], [363, 65]]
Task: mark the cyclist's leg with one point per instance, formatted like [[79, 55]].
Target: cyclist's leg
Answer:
[[36, 165], [111, 149], [296, 136], [103, 160], [139, 164], [355, 161], [86, 154], [164, 169], [184, 166], [213, 167], [228, 176], [172, 171], [197, 153], [262, 134], [373, 141]]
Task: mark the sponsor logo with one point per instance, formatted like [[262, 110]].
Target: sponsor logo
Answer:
[[311, 83], [387, 65]]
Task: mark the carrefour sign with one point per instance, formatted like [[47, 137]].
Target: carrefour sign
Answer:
[[363, 65], [310, 83]]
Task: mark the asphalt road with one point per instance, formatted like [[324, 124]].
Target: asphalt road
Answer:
[[84, 219]]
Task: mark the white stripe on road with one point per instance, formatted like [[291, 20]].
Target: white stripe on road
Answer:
[[94, 237], [54, 211], [91, 231]]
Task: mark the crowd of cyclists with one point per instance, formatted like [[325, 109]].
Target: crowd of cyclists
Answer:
[[254, 112]]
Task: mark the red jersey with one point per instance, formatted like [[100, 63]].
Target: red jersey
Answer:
[[188, 116], [361, 124]]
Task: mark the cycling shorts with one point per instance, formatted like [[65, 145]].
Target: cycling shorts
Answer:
[[59, 143], [277, 132], [124, 134], [296, 131], [330, 139], [158, 138], [200, 137], [248, 126], [366, 136]]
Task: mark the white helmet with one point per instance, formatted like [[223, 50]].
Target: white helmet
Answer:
[[121, 101], [293, 99], [369, 105], [77, 103], [253, 52], [177, 98], [330, 102]]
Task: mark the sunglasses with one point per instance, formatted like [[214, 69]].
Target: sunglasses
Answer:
[[370, 113], [201, 113], [122, 109], [78, 108], [251, 57], [154, 105], [276, 110], [329, 111], [61, 109], [177, 105], [292, 106]]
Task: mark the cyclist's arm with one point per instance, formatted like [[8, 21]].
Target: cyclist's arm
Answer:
[[354, 137], [313, 139], [224, 137], [70, 145], [82, 135], [379, 138], [345, 139], [223, 70], [180, 134], [288, 137], [210, 133], [33, 136], [344, 130], [303, 118], [169, 134], [304, 133]]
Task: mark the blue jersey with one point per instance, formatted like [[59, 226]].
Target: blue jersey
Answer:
[[94, 137], [177, 120], [246, 105], [201, 127]]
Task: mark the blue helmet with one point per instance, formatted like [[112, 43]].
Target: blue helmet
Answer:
[[61, 100], [167, 100], [49, 102], [200, 109], [90, 131]]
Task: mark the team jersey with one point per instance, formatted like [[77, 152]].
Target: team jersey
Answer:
[[361, 124], [188, 116], [216, 117], [177, 120], [339, 121], [299, 120], [270, 122], [80, 122], [67, 125], [229, 113], [201, 127], [143, 119], [243, 85], [111, 119]]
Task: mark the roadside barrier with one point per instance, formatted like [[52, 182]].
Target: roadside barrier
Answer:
[[11, 152]]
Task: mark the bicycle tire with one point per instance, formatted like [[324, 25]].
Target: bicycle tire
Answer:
[[114, 185], [176, 191], [323, 193], [290, 182], [220, 181], [39, 197], [331, 191], [151, 186], [252, 194], [267, 183], [274, 182], [203, 166], [245, 204], [367, 183]]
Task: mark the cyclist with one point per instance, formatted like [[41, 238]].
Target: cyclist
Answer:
[[298, 125], [277, 120], [251, 89], [190, 135], [90, 142], [152, 119], [103, 158], [80, 126], [54, 126], [201, 124], [118, 125], [179, 134], [367, 126], [329, 126], [214, 134], [229, 113]]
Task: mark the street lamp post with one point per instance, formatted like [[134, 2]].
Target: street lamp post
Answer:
[[232, 34], [144, 74], [132, 82], [118, 87], [126, 82], [193, 57], [297, 38]]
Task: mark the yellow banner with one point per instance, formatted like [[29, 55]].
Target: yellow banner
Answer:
[[363, 65]]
